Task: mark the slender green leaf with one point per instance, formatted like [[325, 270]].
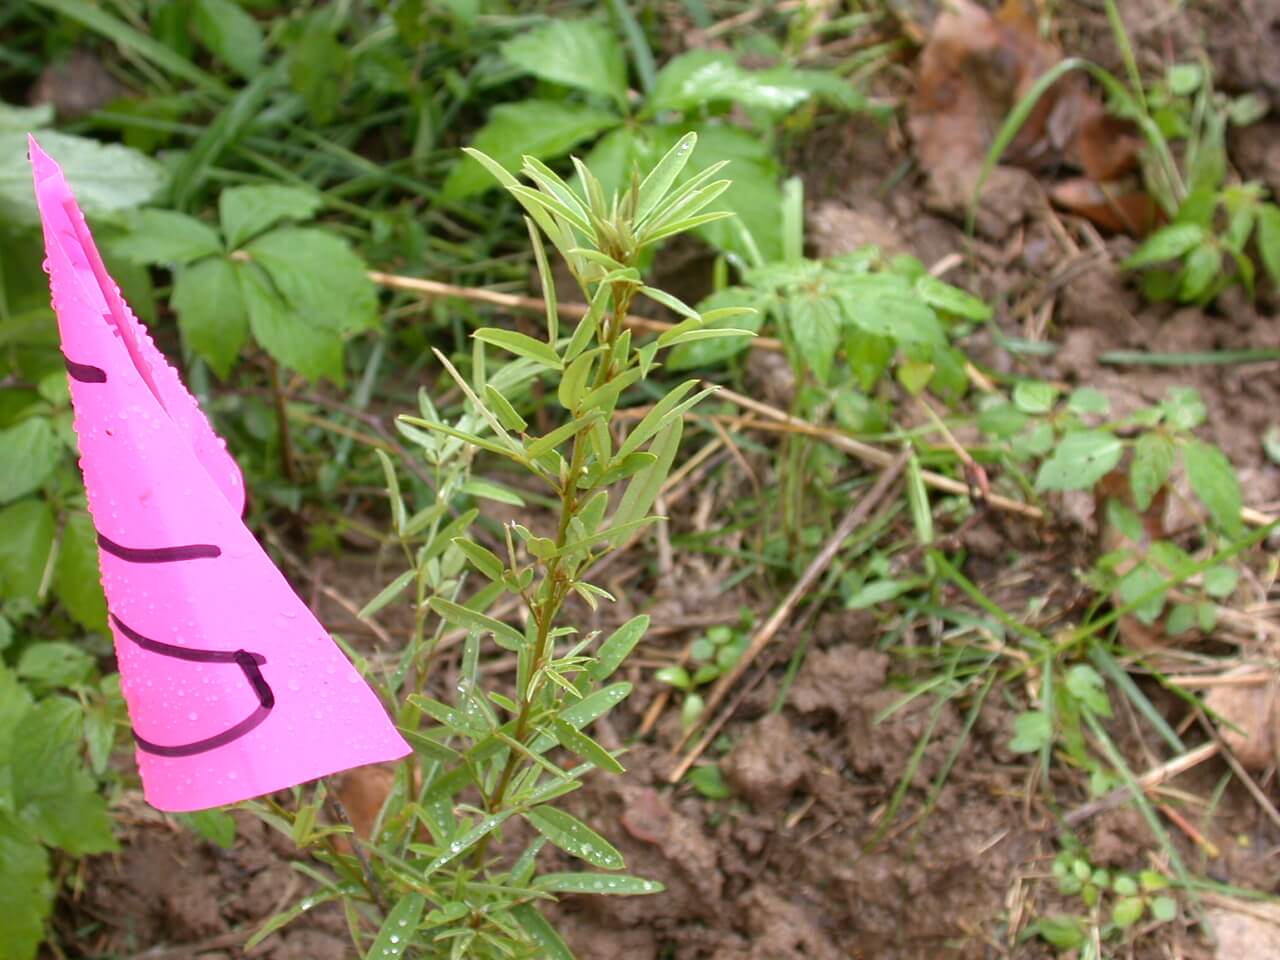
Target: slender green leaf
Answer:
[[507, 636], [574, 837]]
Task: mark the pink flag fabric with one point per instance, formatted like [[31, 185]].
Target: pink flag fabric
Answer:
[[234, 689]]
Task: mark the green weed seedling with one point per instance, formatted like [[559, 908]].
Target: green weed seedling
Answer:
[[1076, 449], [1204, 248], [1113, 903], [1214, 221], [431, 882], [712, 654]]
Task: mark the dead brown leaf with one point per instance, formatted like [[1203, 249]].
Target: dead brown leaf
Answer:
[[1251, 720], [974, 69]]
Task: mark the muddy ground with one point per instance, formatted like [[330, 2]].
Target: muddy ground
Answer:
[[800, 862]]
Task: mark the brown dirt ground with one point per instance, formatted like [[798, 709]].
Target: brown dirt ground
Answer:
[[800, 863]]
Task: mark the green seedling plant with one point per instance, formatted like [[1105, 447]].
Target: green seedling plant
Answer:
[[1205, 246], [587, 98], [440, 877], [850, 326], [1113, 903], [1077, 449], [711, 655]]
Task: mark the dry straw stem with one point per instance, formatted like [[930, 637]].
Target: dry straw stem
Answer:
[[510, 301], [857, 514], [874, 455], [1152, 778]]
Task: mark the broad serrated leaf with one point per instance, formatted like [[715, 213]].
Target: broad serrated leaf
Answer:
[[1167, 243], [1269, 240], [1080, 460], [574, 837], [28, 527], [1215, 482], [211, 311], [230, 32], [29, 452], [166, 237], [574, 53], [55, 663], [1152, 462], [540, 128], [292, 341], [247, 211], [106, 177], [943, 296], [319, 276], [885, 306], [26, 895], [814, 326]]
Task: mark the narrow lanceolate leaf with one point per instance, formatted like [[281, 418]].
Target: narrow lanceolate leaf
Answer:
[[503, 410], [616, 648], [585, 331], [481, 409], [469, 721], [655, 419], [577, 742], [471, 438], [546, 280], [521, 345], [654, 187], [541, 932], [484, 560], [393, 490], [573, 836], [460, 845], [396, 932], [607, 884], [587, 710], [643, 489], [672, 303], [387, 594], [574, 381], [559, 435], [506, 635]]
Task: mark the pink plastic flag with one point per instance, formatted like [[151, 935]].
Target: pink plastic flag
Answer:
[[234, 689]]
